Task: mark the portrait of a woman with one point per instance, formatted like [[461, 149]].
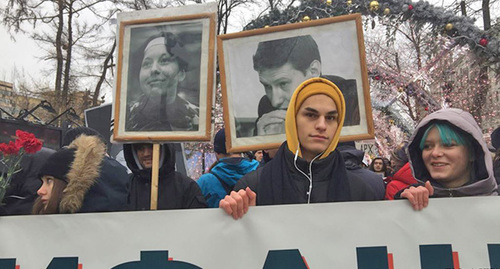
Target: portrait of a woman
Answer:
[[158, 69]]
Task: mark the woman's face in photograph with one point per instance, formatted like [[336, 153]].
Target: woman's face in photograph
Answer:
[[160, 73]]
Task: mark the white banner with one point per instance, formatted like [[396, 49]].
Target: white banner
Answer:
[[384, 234]]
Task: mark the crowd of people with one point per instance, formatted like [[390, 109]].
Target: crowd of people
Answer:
[[446, 156]]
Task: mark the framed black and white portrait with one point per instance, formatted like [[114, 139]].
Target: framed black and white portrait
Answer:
[[260, 70], [165, 75]]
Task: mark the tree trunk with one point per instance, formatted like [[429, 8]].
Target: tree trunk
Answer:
[[462, 8], [486, 15], [69, 47], [59, 56], [479, 99], [484, 85], [220, 13], [106, 65], [416, 42]]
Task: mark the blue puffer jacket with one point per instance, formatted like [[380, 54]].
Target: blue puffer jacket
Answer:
[[229, 170]]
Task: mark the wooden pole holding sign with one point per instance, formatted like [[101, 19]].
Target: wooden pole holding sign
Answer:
[[154, 176]]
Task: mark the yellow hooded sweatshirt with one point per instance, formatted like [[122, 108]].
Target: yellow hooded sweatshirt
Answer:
[[305, 90]]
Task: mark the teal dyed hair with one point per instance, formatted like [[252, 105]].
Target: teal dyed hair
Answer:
[[448, 135]]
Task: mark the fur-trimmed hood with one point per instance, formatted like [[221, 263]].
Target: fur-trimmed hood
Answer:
[[89, 152]]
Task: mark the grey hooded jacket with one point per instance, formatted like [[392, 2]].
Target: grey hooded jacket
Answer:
[[482, 179]]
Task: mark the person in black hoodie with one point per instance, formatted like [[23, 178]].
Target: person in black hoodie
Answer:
[[353, 158], [379, 166], [175, 191]]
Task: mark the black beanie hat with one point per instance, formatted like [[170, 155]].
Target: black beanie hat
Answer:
[[73, 133], [58, 164], [220, 142]]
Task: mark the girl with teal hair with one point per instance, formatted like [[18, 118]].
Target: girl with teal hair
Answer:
[[449, 158]]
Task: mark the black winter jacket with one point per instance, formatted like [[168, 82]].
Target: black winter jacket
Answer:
[[359, 191], [175, 191], [353, 158], [95, 182], [110, 191]]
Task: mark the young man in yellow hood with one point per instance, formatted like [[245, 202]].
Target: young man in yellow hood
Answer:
[[306, 168]]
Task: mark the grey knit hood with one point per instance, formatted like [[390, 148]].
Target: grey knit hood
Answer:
[[483, 180]]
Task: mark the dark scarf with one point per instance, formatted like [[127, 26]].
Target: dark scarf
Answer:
[[275, 183]]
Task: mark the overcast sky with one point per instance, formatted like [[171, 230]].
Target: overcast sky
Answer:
[[24, 53]]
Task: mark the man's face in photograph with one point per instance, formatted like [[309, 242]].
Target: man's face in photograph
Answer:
[[282, 65], [280, 83]]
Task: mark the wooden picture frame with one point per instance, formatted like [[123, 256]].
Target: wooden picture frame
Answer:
[[340, 44], [165, 75]]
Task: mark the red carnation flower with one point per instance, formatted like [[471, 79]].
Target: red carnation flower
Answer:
[[12, 154], [32, 145], [22, 135], [28, 141], [9, 149]]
